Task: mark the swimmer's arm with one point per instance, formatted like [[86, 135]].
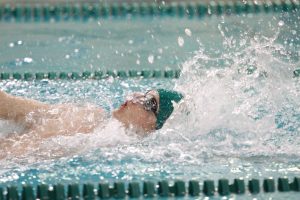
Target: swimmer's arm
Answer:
[[16, 108]]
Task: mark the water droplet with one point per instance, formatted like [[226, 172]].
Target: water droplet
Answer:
[[67, 56], [188, 32], [11, 44], [151, 59], [76, 50], [28, 60], [130, 42], [138, 62], [20, 42], [280, 23], [18, 62], [180, 41]]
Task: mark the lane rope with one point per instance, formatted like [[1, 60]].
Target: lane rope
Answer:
[[97, 75], [84, 11], [149, 189], [91, 75]]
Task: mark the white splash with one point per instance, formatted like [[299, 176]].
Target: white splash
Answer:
[[180, 41], [188, 32], [28, 60], [151, 59]]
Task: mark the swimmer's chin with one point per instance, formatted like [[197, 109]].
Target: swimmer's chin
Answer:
[[130, 124]]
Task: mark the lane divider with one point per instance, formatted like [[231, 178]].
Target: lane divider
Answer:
[[84, 11], [98, 75], [148, 189], [91, 75]]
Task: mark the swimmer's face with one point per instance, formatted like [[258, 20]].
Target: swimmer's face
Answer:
[[139, 111]]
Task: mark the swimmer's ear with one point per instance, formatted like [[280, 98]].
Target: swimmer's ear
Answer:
[[166, 99]]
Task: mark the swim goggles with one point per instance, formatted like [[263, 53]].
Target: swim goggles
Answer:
[[147, 100]]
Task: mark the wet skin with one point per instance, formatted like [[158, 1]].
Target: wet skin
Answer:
[[42, 120]]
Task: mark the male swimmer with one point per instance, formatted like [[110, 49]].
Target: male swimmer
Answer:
[[144, 112]]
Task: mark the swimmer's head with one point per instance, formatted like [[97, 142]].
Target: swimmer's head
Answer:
[[147, 111], [139, 111]]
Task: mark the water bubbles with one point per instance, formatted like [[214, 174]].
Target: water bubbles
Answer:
[[180, 41], [280, 23], [28, 60], [60, 39], [188, 32], [67, 56], [76, 50], [17, 43], [21, 62], [130, 42], [151, 59], [138, 62], [243, 42]]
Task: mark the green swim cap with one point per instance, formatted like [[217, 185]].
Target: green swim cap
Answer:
[[166, 98]]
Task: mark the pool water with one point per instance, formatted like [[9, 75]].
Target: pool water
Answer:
[[240, 116]]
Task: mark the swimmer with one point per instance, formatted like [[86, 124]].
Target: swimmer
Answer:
[[144, 112]]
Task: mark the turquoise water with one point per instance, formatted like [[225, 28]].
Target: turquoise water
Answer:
[[240, 117]]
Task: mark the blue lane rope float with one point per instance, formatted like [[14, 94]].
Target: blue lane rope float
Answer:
[[84, 11], [91, 75], [148, 189]]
